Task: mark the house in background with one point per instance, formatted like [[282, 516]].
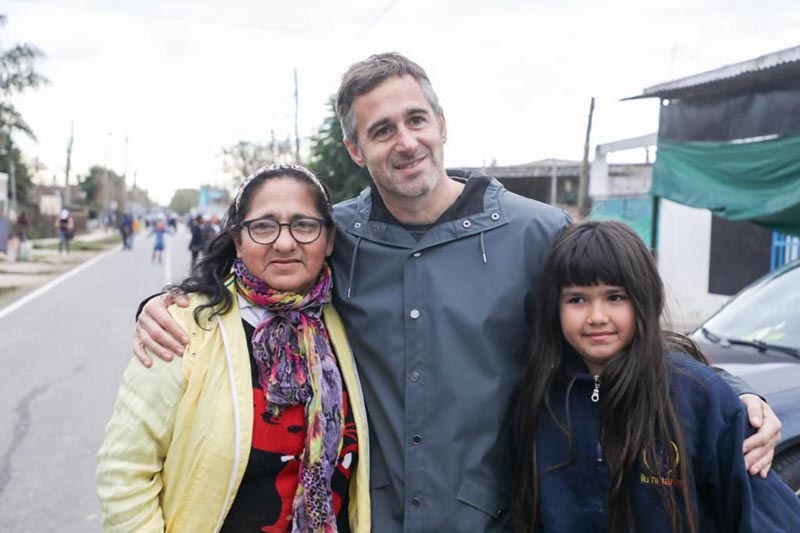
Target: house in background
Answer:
[[555, 181], [552, 181], [726, 180], [622, 192]]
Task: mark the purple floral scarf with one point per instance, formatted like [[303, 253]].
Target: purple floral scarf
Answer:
[[296, 365]]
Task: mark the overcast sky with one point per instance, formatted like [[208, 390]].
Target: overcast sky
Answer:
[[182, 78]]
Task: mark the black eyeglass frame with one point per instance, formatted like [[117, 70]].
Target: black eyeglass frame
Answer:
[[246, 224]]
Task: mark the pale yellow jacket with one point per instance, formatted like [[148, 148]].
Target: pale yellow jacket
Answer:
[[177, 445]]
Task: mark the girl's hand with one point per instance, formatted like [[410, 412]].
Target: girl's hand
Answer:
[[759, 448], [157, 333]]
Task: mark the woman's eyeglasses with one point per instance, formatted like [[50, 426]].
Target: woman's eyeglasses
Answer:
[[266, 231]]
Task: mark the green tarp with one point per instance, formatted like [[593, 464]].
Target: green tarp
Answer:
[[756, 181]]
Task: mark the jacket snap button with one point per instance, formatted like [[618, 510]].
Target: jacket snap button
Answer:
[[416, 439], [416, 502], [357, 225], [416, 254], [414, 375], [495, 216], [414, 313], [466, 224]]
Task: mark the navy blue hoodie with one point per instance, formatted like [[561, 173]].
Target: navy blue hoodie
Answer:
[[574, 497]]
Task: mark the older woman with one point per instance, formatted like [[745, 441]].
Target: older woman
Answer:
[[261, 426]]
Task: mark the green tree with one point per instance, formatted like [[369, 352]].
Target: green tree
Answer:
[[89, 184], [10, 155], [101, 186], [332, 163], [183, 200], [17, 74]]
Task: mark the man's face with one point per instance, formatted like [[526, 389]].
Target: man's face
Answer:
[[400, 139]]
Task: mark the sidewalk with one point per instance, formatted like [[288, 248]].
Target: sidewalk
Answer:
[[18, 278]]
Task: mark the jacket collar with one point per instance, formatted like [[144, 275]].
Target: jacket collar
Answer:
[[369, 225]]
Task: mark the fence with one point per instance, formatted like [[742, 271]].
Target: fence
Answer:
[[785, 248]]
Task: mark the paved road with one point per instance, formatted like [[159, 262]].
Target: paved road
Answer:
[[62, 355]]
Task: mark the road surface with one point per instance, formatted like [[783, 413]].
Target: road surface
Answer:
[[62, 355]]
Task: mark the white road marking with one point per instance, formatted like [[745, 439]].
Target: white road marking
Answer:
[[168, 263], [53, 283]]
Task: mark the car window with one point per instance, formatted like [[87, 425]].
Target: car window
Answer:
[[768, 311]]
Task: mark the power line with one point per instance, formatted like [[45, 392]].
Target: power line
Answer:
[[169, 18], [380, 15]]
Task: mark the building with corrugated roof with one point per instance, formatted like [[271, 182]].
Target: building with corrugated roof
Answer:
[[726, 180]]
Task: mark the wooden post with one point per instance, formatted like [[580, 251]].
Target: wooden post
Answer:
[[583, 181]]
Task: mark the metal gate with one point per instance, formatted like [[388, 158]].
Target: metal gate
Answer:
[[785, 248]]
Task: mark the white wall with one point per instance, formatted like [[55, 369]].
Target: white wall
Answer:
[[635, 182], [684, 244], [4, 192], [50, 204]]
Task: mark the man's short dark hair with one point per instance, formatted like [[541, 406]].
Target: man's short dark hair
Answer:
[[365, 75]]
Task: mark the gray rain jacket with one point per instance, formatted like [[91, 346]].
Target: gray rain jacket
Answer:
[[439, 329]]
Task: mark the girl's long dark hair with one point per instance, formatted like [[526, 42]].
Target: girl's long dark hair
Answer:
[[210, 272], [638, 416]]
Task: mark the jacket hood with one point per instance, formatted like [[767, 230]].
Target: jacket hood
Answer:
[[356, 217]]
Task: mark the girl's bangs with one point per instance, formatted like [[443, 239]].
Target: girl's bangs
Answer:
[[590, 260]]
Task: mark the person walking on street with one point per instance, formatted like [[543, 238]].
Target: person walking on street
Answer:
[[197, 240], [126, 231], [65, 226], [158, 232], [435, 276], [21, 227]]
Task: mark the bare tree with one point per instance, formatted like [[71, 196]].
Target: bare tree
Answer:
[[245, 157]]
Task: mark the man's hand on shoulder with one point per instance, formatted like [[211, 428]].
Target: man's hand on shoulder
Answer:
[[157, 333], [759, 448]]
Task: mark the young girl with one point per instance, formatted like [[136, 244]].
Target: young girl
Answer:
[[618, 428], [159, 230]]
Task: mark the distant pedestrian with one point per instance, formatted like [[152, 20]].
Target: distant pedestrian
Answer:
[[65, 226], [158, 232], [126, 231], [208, 229], [21, 227], [197, 242]]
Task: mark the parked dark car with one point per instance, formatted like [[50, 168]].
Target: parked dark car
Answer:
[[756, 336]]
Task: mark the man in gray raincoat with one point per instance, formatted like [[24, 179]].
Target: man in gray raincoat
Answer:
[[435, 278]]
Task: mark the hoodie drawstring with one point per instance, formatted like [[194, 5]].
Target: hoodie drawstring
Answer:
[[483, 249], [352, 267]]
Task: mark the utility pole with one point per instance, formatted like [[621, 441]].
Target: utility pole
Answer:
[[583, 181], [124, 192], [296, 130], [106, 186], [12, 177], [67, 198]]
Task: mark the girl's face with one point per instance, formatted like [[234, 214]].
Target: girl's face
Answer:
[[598, 321], [284, 265]]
